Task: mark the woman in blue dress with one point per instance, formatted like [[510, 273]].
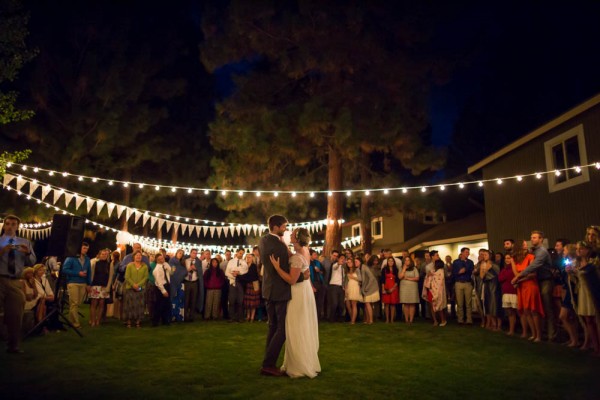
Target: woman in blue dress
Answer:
[[178, 273]]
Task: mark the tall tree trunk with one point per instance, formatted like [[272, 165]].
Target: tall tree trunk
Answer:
[[335, 204], [365, 209], [365, 225]]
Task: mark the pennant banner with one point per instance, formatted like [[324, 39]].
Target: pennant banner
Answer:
[[109, 208], [33, 187], [78, 201], [137, 216], [89, 203], [56, 195], [120, 210], [68, 198], [20, 183], [45, 190], [99, 206], [8, 179]]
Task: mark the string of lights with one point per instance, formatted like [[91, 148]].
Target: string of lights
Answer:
[[126, 237], [149, 215], [295, 193], [149, 242]]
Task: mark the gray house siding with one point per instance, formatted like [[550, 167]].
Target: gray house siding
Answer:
[[514, 208]]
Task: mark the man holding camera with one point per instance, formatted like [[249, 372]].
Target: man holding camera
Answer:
[[15, 254]]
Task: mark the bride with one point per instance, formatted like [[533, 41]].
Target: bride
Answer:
[[301, 326]]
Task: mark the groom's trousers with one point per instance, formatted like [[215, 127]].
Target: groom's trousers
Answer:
[[277, 311]]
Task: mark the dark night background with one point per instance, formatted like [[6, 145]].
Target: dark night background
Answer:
[[133, 71]]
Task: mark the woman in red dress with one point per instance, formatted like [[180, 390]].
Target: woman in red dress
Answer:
[[389, 288], [529, 300]]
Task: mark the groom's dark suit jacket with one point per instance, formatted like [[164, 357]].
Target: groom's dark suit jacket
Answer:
[[274, 288]]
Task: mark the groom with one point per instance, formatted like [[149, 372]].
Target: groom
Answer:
[[276, 291]]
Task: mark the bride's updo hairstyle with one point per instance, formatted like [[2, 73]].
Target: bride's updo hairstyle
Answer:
[[303, 236]]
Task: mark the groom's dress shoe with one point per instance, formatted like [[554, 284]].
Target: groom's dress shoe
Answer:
[[271, 372]]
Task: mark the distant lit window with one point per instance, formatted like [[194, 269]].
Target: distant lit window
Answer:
[[356, 230], [563, 154], [377, 228]]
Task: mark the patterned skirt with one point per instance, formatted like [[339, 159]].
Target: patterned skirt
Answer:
[[251, 297], [98, 292], [134, 305]]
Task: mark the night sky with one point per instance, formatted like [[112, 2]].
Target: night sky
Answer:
[[516, 65]]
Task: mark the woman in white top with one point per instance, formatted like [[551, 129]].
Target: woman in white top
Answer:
[[44, 288], [301, 323]]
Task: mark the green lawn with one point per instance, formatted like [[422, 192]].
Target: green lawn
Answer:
[[221, 360]]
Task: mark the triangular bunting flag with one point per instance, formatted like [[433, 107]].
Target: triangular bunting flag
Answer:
[[99, 206], [78, 201], [219, 231], [184, 228], [127, 213], [176, 226], [145, 219], [254, 228], [137, 216], [68, 198], [45, 190], [204, 230], [238, 230], [169, 225], [89, 203], [32, 187], [160, 223], [8, 178], [57, 195], [197, 230], [153, 222], [109, 208], [20, 183], [212, 231], [120, 210]]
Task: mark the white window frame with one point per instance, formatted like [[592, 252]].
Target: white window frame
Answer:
[[352, 230], [553, 186], [373, 222]]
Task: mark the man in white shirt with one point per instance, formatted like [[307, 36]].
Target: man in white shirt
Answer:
[[235, 267], [335, 290], [15, 254], [206, 256], [193, 285], [162, 280]]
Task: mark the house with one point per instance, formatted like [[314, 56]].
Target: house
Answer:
[[421, 231], [390, 229], [562, 203]]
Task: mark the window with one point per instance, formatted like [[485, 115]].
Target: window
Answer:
[[356, 230], [432, 218], [566, 151], [377, 228]]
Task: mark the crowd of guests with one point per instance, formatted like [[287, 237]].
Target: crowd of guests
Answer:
[[535, 291]]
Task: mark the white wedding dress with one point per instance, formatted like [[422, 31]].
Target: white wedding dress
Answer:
[[301, 327]]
